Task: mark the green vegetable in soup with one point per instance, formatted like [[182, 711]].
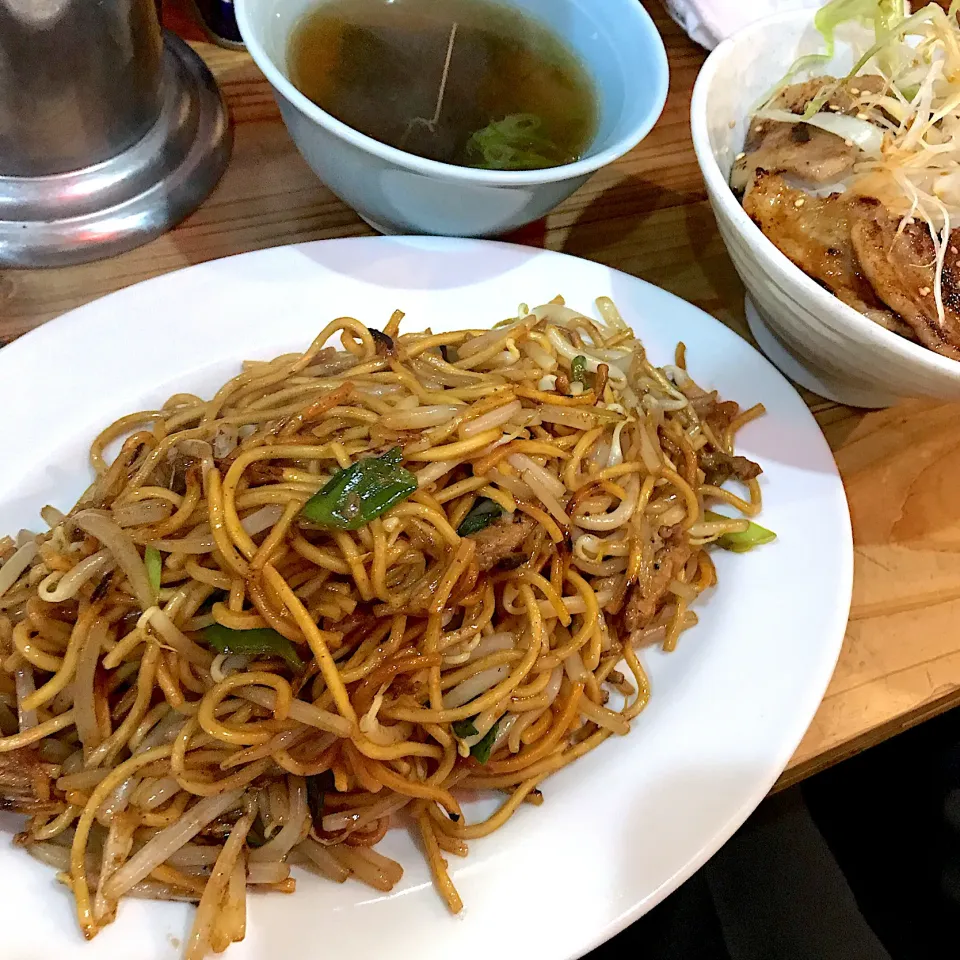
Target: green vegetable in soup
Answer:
[[514, 143]]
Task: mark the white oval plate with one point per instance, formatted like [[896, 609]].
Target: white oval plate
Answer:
[[622, 827]]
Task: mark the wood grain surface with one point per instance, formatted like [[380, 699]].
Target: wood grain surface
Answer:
[[647, 215]]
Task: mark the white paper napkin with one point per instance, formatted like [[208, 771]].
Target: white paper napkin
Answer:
[[710, 21]]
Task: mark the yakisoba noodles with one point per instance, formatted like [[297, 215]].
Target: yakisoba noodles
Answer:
[[350, 585]]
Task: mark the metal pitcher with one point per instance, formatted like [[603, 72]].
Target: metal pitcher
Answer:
[[109, 131]]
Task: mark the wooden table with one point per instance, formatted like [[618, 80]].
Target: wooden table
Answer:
[[646, 215]]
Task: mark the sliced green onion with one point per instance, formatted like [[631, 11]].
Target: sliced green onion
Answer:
[[154, 564], [753, 536], [888, 17], [251, 643], [464, 729], [513, 143], [578, 368], [481, 515], [361, 493], [480, 751]]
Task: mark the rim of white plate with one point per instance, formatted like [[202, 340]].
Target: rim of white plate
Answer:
[[120, 324]]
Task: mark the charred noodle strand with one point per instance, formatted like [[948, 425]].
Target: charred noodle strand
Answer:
[[116, 430], [748, 509], [527, 758], [474, 831], [547, 589], [317, 640], [502, 689], [275, 539], [688, 493], [235, 735], [144, 689], [218, 524], [65, 673], [241, 778], [185, 510], [539, 771], [414, 788], [31, 651], [632, 711], [438, 866], [40, 732]]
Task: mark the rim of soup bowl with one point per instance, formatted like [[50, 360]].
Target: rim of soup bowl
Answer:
[[633, 13]]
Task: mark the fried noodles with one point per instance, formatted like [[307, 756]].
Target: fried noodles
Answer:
[[349, 586]]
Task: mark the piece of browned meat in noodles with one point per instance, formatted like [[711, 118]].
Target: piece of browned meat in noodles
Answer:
[[799, 150], [901, 265], [501, 540], [815, 233], [25, 782]]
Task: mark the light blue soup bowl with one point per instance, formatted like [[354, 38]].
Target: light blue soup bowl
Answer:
[[396, 192]]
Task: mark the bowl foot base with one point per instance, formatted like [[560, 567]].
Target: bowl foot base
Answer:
[[381, 228], [123, 202], [815, 380]]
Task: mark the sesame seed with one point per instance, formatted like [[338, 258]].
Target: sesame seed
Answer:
[[954, 251], [924, 291], [855, 91], [862, 116], [849, 143], [799, 202], [732, 124], [740, 156], [835, 107]]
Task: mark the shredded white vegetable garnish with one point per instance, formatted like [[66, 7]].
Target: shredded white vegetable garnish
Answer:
[[909, 132]]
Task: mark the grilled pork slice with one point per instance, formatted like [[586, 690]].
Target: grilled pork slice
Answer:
[[798, 150], [501, 540], [815, 233], [901, 266]]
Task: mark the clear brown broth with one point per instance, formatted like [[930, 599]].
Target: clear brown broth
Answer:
[[384, 67]]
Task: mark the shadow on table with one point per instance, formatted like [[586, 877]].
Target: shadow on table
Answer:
[[621, 215], [773, 892]]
